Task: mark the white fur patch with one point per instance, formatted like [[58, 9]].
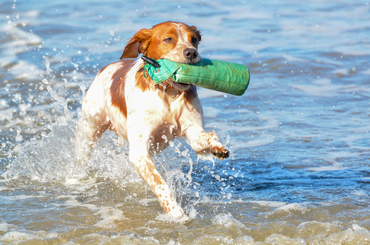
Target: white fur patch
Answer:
[[177, 54]]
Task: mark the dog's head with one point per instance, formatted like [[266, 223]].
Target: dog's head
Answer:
[[168, 40]]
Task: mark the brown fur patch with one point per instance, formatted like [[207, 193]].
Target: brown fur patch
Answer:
[[138, 44], [117, 89], [158, 48], [142, 82], [191, 93], [149, 171], [196, 34]]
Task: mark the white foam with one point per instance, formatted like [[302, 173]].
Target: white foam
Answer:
[[326, 204], [7, 58], [4, 226], [6, 114], [334, 165], [19, 43], [9, 50], [291, 58], [145, 201], [342, 71], [281, 239], [316, 225], [72, 181], [52, 158], [327, 168], [244, 239], [23, 37], [361, 193], [356, 227], [215, 239], [110, 216], [354, 235], [293, 207], [193, 213], [228, 221], [269, 203], [24, 69], [16, 236], [72, 202], [79, 183], [324, 88], [20, 197], [31, 14]]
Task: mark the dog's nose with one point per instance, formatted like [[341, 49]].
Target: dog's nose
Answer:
[[190, 53]]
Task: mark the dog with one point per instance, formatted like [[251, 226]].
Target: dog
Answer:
[[148, 116]]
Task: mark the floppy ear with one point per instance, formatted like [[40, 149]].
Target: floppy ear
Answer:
[[138, 44], [197, 32]]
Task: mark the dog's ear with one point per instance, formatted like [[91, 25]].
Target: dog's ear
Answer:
[[196, 32], [138, 44]]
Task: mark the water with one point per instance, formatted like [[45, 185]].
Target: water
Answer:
[[299, 137]]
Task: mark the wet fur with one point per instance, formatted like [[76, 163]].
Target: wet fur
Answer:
[[123, 100]]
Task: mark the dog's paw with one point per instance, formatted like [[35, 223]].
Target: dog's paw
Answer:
[[220, 152], [178, 215]]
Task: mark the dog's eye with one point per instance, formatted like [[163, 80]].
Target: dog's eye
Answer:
[[168, 40], [194, 40]]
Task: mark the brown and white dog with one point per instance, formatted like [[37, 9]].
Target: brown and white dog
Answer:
[[147, 115]]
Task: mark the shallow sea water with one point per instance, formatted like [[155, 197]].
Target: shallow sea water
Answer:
[[299, 137]]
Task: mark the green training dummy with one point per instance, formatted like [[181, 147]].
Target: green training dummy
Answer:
[[218, 75]]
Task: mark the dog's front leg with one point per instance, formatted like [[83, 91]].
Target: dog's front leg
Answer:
[[139, 155], [205, 143], [192, 125]]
